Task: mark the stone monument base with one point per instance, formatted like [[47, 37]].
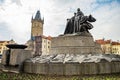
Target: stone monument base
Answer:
[[0, 65], [12, 60], [73, 64], [14, 69], [74, 44]]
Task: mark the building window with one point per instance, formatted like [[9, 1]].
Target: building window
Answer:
[[48, 42], [44, 46]]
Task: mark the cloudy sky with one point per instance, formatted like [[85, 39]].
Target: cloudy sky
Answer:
[[15, 17]]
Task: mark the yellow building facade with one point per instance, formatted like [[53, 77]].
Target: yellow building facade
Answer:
[[46, 45], [3, 45], [116, 48], [109, 46]]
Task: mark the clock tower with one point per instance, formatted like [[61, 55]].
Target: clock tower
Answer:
[[37, 25]]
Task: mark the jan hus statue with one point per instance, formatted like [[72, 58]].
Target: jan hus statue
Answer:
[[79, 23]]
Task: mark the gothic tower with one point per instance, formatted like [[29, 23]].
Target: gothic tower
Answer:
[[37, 25]]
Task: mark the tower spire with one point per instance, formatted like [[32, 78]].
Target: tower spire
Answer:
[[32, 18], [38, 15], [43, 20], [37, 25]]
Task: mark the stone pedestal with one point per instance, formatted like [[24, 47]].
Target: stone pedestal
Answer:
[[4, 57], [16, 59], [74, 44], [0, 65], [19, 55]]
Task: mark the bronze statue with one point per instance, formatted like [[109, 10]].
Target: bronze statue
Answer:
[[79, 23]]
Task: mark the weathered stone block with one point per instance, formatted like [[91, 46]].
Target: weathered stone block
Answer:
[[108, 67], [101, 68], [56, 69], [81, 68], [28, 67], [91, 68], [73, 45], [17, 56], [104, 67], [42, 68], [113, 66], [71, 68], [34, 67], [11, 69], [3, 60], [0, 65], [72, 41], [116, 67]]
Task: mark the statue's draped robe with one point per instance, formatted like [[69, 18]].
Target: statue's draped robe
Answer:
[[69, 26], [79, 24]]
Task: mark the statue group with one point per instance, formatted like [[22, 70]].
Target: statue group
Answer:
[[79, 23]]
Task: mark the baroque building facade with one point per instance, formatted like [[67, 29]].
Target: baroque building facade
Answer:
[[38, 43], [3, 45], [109, 46]]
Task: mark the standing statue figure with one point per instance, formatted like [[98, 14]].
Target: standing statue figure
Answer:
[[79, 23], [79, 13]]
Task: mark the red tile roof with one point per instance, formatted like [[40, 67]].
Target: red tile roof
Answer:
[[45, 37], [115, 43], [102, 41], [3, 41]]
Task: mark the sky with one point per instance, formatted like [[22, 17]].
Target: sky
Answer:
[[15, 17]]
